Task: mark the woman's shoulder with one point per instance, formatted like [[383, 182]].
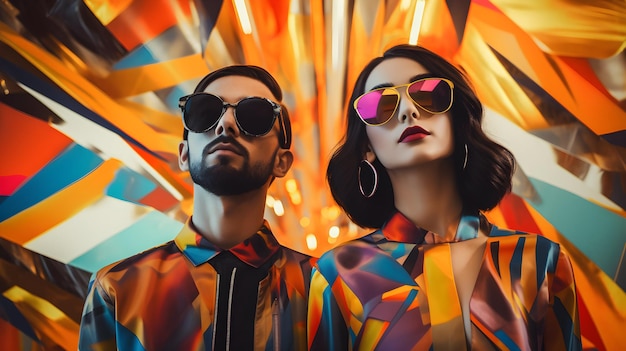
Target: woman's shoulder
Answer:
[[498, 234], [516, 241], [352, 248]]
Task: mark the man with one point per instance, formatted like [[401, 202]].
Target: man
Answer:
[[224, 282]]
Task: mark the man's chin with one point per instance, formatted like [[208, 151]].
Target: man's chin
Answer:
[[224, 162], [226, 177]]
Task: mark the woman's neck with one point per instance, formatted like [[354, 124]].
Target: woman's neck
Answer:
[[428, 196]]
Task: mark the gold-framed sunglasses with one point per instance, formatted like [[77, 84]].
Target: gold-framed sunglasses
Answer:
[[433, 95]]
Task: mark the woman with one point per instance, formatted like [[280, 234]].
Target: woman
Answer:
[[436, 274]]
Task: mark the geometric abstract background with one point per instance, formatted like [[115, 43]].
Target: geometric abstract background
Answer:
[[89, 130]]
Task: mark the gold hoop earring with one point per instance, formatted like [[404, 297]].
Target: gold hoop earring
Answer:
[[372, 178], [465, 160]]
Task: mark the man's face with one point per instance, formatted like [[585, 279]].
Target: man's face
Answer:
[[223, 160]]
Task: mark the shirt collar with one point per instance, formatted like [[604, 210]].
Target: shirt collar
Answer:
[[254, 251], [399, 228]]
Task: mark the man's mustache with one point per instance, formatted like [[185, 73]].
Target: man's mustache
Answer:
[[226, 140]]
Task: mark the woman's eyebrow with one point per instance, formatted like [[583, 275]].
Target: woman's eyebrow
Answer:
[[382, 85], [421, 76], [413, 79]]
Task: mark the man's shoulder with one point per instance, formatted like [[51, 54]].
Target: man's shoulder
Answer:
[[148, 257], [294, 254]]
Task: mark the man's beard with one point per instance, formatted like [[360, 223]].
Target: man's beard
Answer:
[[223, 180]]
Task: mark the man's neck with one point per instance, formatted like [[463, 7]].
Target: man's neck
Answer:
[[226, 221]]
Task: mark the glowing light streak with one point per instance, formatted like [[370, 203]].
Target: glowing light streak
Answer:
[[242, 14], [311, 241], [418, 15]]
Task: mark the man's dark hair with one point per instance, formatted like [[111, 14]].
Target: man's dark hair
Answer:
[[263, 76], [482, 184]]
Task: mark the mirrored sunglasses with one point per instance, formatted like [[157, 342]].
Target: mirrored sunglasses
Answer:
[[433, 95]]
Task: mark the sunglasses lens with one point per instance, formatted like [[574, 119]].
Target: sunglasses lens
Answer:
[[433, 95], [377, 106], [201, 112], [255, 116]]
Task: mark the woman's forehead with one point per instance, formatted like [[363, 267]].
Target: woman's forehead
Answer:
[[394, 71]]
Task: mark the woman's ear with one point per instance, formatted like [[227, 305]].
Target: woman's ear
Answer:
[[183, 155], [282, 162], [369, 154]]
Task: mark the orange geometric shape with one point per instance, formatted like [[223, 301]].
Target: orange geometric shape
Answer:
[[23, 155], [144, 20]]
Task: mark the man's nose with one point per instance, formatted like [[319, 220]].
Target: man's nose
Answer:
[[227, 125]]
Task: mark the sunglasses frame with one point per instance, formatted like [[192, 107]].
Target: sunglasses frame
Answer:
[[277, 109], [395, 89]]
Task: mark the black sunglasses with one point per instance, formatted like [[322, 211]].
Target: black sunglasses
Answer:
[[255, 116]]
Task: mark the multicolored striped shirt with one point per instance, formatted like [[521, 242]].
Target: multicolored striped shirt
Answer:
[[190, 295], [384, 292]]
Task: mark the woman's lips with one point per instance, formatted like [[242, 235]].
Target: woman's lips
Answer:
[[412, 134]]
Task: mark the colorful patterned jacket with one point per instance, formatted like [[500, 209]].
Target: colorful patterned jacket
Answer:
[[384, 292], [166, 298]]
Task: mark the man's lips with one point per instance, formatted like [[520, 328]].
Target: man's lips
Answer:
[[225, 143], [413, 133], [226, 147]]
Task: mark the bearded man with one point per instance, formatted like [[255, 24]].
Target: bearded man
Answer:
[[224, 282]]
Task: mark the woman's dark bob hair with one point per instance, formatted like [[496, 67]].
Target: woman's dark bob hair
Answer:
[[263, 76], [482, 184]]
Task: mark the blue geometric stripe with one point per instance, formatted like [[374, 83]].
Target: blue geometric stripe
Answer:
[[570, 215], [70, 165]]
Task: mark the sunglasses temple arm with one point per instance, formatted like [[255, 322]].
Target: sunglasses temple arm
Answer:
[[283, 128]]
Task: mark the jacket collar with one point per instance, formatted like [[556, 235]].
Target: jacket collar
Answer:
[[254, 251], [400, 229]]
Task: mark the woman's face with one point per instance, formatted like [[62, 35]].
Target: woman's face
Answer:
[[413, 136]]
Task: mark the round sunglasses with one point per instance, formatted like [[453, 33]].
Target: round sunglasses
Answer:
[[433, 95], [255, 116]]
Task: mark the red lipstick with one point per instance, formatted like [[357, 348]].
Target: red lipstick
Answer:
[[412, 134]]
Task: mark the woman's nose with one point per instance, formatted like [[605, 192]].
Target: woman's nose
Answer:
[[407, 108]]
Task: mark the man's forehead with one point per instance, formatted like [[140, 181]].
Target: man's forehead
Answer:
[[234, 88]]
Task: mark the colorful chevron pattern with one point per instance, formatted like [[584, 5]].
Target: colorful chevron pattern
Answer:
[[376, 294]]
